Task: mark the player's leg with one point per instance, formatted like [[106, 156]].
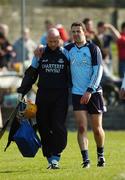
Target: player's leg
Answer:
[[96, 108], [81, 121], [43, 118], [59, 132], [80, 113], [99, 136]]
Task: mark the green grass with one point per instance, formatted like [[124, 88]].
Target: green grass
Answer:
[[13, 166]]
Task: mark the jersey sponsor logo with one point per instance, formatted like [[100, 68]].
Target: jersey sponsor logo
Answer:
[[53, 68], [53, 71]]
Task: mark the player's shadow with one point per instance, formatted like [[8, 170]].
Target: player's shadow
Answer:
[[13, 171]]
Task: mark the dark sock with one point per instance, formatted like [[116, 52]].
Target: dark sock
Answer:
[[85, 155], [49, 160], [100, 152]]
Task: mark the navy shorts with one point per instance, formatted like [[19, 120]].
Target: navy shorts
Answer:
[[94, 106]]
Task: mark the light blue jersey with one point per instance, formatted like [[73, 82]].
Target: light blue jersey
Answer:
[[86, 67]]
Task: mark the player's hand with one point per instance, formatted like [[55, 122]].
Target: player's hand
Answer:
[[108, 26], [20, 97], [122, 93], [39, 51], [85, 98]]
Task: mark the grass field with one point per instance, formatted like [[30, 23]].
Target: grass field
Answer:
[[13, 166]]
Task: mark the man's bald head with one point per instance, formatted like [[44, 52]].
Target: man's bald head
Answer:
[[53, 32], [53, 38]]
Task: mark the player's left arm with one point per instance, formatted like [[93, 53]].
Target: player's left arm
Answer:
[[97, 72], [95, 80]]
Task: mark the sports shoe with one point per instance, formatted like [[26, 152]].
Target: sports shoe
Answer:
[[55, 164], [86, 164], [101, 162]]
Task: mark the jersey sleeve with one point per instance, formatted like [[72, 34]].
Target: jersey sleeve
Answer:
[[97, 72], [65, 52], [30, 77], [35, 62]]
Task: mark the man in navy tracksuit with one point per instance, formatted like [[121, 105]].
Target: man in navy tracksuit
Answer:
[[51, 98]]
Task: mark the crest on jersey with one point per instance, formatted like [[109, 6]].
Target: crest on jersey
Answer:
[[60, 61], [45, 60]]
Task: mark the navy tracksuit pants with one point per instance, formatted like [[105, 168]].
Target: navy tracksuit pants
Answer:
[[52, 107]]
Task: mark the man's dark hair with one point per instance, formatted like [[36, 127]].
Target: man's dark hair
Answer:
[[47, 21], [78, 24], [123, 25], [86, 20], [100, 23], [2, 36]]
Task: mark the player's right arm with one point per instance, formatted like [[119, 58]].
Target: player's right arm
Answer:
[[30, 77]]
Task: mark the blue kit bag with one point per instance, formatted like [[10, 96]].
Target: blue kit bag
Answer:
[[26, 139]]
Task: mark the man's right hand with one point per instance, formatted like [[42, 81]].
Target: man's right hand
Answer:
[[39, 51], [20, 97], [122, 93]]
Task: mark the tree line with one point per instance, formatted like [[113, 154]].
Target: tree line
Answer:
[[86, 3], [71, 3]]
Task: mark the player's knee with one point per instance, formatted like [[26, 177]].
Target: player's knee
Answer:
[[81, 129]]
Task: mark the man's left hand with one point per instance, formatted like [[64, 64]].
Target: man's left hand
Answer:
[[85, 98], [38, 52], [122, 93]]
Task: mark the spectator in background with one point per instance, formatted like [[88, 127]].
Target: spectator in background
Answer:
[[63, 33], [121, 50], [29, 46], [104, 42], [48, 24], [122, 90], [120, 40], [4, 29], [70, 40], [6, 52], [90, 33]]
